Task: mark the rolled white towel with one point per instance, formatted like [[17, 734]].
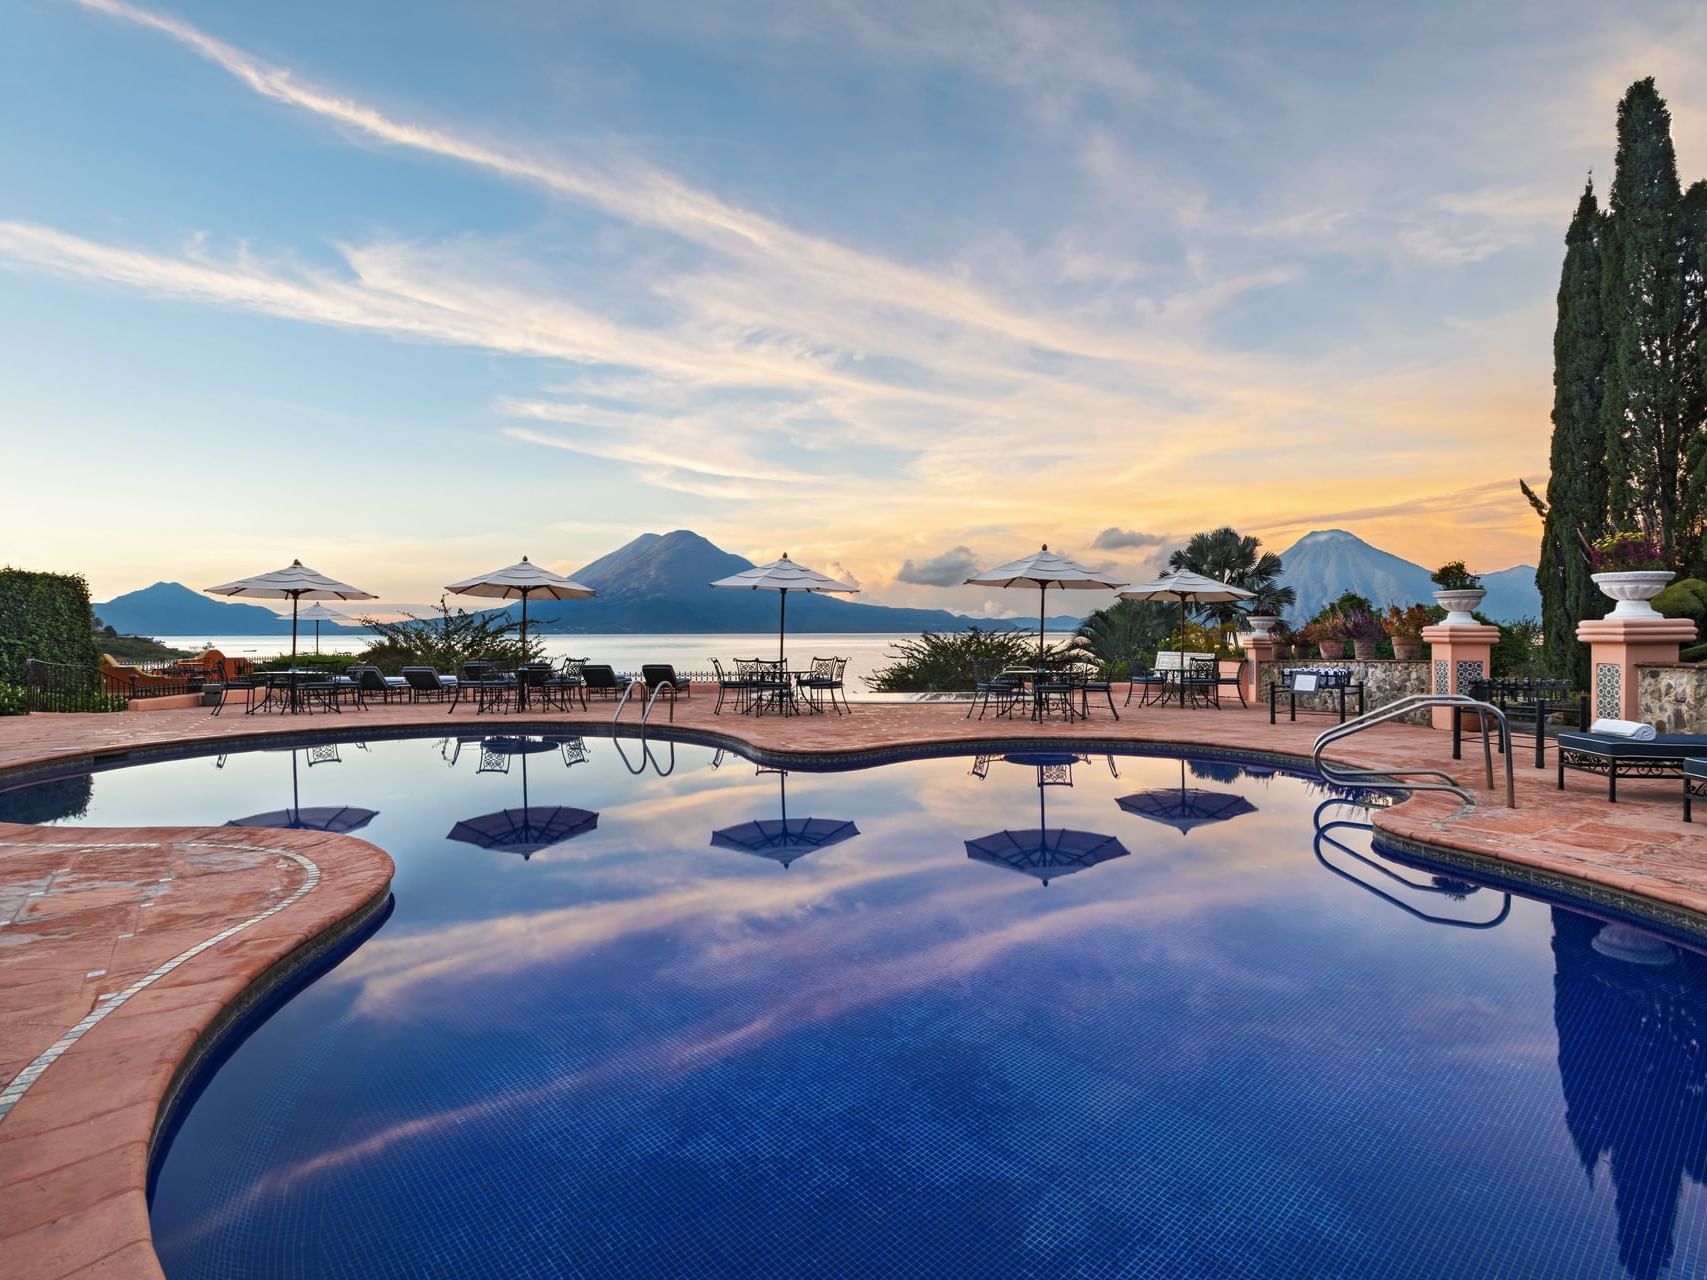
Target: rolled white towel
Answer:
[[1631, 729]]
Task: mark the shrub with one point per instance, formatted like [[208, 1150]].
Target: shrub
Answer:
[[331, 663], [12, 700], [1453, 576], [446, 642], [1518, 650], [46, 616], [1626, 552], [953, 662], [1361, 624], [1686, 599]]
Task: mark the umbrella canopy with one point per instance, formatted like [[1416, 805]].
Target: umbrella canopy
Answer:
[[1187, 588], [318, 613], [1043, 851], [1187, 808], [340, 819], [519, 582], [296, 583], [526, 830], [783, 576], [783, 839], [1044, 569]]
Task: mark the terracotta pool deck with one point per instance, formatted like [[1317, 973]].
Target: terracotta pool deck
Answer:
[[125, 953]]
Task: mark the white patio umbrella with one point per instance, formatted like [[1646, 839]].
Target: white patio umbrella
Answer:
[[318, 613], [1044, 569], [1187, 588], [519, 582], [297, 583], [783, 576]]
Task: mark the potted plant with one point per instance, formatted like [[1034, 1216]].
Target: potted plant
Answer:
[[1404, 628], [1262, 620], [1460, 592], [1328, 635], [1365, 632], [1629, 568]]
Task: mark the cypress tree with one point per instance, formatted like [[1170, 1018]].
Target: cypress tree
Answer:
[[1575, 509], [1692, 373], [1644, 409]]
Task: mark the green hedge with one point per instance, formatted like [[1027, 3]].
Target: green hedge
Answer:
[[46, 616]]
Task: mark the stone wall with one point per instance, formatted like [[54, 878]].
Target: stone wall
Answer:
[[1672, 696], [1384, 679]]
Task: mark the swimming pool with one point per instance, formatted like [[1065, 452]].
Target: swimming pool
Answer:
[[651, 1030]]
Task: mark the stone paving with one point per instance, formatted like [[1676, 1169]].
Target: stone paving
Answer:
[[85, 914]]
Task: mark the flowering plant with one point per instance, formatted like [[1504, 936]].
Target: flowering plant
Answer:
[[1626, 552], [1406, 624], [1360, 624]]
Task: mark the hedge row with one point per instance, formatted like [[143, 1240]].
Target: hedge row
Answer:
[[47, 616]]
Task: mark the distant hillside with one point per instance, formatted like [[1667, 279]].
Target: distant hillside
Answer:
[[660, 584], [656, 584], [172, 609], [1322, 566]]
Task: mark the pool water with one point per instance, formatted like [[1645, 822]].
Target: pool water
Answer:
[[689, 1041]]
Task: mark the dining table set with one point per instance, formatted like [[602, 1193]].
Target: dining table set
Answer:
[[1041, 692], [769, 686]]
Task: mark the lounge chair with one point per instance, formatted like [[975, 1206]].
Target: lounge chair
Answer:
[[603, 681], [424, 682], [1661, 756], [656, 673], [370, 680]]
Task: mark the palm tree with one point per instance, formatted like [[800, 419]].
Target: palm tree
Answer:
[[1124, 630], [1230, 557]]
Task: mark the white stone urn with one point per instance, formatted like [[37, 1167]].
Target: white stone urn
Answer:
[[1632, 589], [1459, 605], [1262, 624]]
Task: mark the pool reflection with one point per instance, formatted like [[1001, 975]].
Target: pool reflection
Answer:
[[1632, 1023]]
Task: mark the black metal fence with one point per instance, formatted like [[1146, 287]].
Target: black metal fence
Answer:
[[58, 686]]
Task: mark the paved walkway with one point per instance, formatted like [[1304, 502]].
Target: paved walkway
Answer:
[[122, 952]]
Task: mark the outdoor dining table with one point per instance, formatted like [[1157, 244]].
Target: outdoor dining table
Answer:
[[288, 688], [1035, 681], [770, 685]]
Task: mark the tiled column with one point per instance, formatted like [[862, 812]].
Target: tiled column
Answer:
[[1258, 650], [1617, 646], [1458, 656]]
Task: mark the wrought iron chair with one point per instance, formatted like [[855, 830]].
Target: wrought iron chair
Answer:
[[1003, 690], [1201, 682], [1149, 684], [823, 681], [728, 687], [767, 684]]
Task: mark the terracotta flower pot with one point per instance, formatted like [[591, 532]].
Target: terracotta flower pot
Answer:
[[1407, 650], [1332, 648], [1363, 650]]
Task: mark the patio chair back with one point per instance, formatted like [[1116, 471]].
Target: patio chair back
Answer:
[[823, 669], [600, 678], [657, 673], [534, 674], [423, 679], [369, 679]]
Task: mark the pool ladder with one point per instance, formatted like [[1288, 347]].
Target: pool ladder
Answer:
[[652, 693], [1433, 779], [646, 756], [1362, 867]]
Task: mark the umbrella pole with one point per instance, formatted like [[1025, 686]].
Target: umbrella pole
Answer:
[[524, 625], [1042, 600], [781, 625], [294, 600]]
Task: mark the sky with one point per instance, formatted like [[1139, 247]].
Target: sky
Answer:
[[902, 288]]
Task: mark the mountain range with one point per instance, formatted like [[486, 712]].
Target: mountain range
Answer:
[[1324, 565], [659, 584]]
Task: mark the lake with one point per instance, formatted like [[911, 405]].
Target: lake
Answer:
[[864, 652]]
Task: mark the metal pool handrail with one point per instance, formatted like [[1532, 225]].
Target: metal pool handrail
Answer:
[[1344, 776], [651, 698], [1324, 835]]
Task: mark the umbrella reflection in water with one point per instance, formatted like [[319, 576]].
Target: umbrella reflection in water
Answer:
[[339, 819], [1043, 851], [1187, 808], [530, 828], [783, 839]]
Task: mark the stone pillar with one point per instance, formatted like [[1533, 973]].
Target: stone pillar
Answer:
[[1258, 650], [1617, 646], [1458, 655]]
